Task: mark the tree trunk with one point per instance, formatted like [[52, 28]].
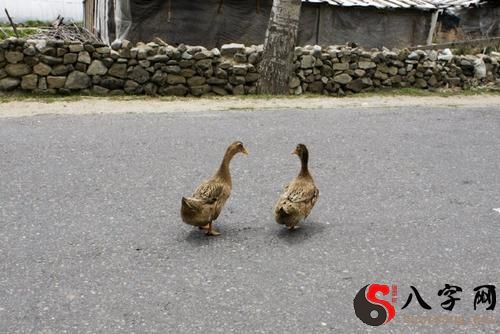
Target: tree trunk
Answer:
[[277, 60]]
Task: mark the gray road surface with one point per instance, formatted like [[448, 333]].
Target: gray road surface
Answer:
[[91, 240]]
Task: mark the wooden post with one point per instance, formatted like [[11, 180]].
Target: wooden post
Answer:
[[432, 30], [11, 23]]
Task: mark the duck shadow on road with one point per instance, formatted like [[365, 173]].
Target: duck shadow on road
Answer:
[[306, 231]]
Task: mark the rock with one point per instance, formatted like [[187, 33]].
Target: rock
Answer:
[[433, 82], [196, 81], [380, 75], [306, 61], [228, 50], [144, 63], [317, 51], [356, 85], [99, 90], [159, 78], [240, 58], [14, 57], [158, 58], [365, 65], [77, 80], [367, 82], [61, 52], [126, 44], [177, 90], [139, 74], [174, 79], [131, 87], [186, 56], [204, 64], [42, 69], [240, 69], [239, 90], [187, 72], [70, 58], [216, 81], [116, 45], [118, 70], [51, 60], [219, 91], [97, 68], [342, 78], [340, 66], [421, 83], [359, 73], [392, 70], [84, 57], [315, 87], [203, 54], [479, 69], [433, 55], [173, 69], [446, 55], [253, 58], [215, 52], [237, 80], [59, 70], [150, 88], [294, 82], [75, 47], [42, 84], [17, 70], [414, 56], [88, 47], [252, 77], [105, 50], [81, 67], [7, 84], [112, 83], [200, 90], [56, 82]]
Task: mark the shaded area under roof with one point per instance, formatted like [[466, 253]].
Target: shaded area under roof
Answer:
[[420, 4]]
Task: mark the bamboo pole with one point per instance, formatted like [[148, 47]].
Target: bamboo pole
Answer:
[[11, 23]]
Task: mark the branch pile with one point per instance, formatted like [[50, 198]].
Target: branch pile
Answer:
[[67, 32]]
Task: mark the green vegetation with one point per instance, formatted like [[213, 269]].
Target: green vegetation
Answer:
[[50, 98], [6, 32]]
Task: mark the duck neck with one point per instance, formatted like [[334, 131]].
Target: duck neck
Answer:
[[304, 170], [223, 171]]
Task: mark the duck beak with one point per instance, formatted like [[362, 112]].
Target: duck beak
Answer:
[[295, 152], [245, 152]]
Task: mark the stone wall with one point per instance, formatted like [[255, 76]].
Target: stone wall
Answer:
[[62, 67]]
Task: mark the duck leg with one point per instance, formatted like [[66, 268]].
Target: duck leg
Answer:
[[204, 227], [211, 231]]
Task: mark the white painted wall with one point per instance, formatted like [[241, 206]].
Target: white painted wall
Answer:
[[46, 10]]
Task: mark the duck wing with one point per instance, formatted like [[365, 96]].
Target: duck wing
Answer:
[[210, 191], [297, 192]]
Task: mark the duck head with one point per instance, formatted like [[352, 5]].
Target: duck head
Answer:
[[302, 152], [237, 147]]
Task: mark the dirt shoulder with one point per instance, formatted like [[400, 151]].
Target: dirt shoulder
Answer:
[[95, 105]]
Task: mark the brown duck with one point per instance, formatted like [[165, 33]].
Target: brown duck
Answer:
[[299, 196], [207, 201]]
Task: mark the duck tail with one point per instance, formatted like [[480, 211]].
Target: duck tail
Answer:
[[190, 204]]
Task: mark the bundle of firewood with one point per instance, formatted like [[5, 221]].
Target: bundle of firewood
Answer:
[[66, 31]]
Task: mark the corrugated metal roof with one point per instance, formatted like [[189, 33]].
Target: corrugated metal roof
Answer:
[[421, 4], [458, 3]]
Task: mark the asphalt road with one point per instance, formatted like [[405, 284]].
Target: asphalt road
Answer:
[[91, 240]]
